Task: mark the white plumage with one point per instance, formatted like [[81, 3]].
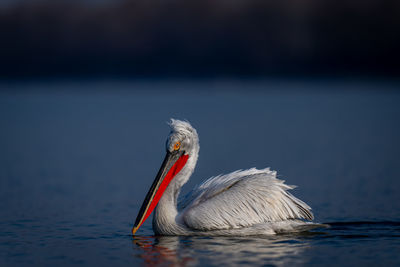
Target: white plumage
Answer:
[[242, 199], [244, 202]]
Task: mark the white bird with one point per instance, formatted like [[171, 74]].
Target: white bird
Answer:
[[244, 202]]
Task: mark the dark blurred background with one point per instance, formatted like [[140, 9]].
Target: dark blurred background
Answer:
[[199, 38]]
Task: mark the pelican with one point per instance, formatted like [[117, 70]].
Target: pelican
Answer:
[[244, 202]]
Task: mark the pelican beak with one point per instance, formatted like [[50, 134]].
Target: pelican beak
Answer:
[[171, 166]]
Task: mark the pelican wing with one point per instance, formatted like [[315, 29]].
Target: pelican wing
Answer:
[[241, 199]]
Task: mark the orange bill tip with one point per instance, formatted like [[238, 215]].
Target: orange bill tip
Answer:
[[134, 229]]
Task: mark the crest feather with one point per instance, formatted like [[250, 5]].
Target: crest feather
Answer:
[[183, 127]]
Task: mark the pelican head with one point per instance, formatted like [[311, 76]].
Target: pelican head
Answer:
[[182, 151], [183, 137]]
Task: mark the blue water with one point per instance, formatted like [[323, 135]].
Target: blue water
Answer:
[[77, 158]]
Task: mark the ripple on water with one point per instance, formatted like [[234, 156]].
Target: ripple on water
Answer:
[[274, 250]]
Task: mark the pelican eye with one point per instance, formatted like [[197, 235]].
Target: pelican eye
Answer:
[[177, 145]]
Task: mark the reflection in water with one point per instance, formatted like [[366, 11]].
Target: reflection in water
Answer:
[[187, 251], [161, 251]]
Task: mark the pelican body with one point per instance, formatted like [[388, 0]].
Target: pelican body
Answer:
[[244, 202]]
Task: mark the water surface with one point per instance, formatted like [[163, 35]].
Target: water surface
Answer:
[[76, 160]]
